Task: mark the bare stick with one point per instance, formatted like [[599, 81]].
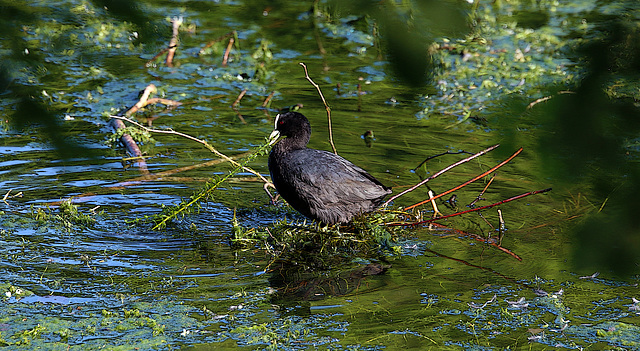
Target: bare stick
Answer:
[[441, 154], [306, 75], [225, 58], [268, 99], [210, 44], [436, 212], [173, 44], [479, 197], [235, 103], [543, 99], [502, 227], [472, 210], [7, 197], [130, 145], [150, 62], [207, 145], [440, 173], [535, 102], [166, 102], [469, 181], [143, 99], [359, 98]]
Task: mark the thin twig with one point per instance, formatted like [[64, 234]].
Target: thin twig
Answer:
[[207, 145], [268, 99], [150, 89], [543, 99], [145, 101], [220, 38], [440, 173], [436, 212], [166, 102], [537, 101], [501, 227], [173, 44], [306, 75], [469, 181], [235, 103], [150, 62], [479, 197], [441, 154], [225, 58], [7, 197]]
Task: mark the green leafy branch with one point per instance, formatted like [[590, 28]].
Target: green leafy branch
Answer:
[[185, 206]]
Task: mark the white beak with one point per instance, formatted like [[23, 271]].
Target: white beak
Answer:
[[273, 137]]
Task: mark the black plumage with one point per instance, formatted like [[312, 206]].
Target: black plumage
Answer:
[[319, 184]]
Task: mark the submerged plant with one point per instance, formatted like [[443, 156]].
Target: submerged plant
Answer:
[[66, 216], [319, 245], [138, 134], [193, 202], [262, 57]]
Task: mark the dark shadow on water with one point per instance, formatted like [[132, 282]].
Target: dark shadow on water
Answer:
[[585, 137]]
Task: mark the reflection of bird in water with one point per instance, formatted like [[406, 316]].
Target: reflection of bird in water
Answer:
[[292, 285]]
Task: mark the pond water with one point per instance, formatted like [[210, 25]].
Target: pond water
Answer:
[[103, 279]]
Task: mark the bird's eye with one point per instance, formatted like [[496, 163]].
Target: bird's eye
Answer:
[[281, 122]]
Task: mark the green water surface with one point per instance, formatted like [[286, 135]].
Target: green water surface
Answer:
[[105, 281]]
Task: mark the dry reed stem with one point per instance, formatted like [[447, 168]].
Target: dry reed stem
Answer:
[[220, 38], [225, 58], [242, 93], [173, 44], [266, 101]]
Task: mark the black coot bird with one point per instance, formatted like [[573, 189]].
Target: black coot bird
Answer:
[[320, 185]]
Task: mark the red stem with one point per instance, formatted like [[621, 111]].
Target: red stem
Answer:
[[467, 182], [472, 210]]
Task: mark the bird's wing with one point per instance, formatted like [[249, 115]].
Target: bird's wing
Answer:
[[334, 179]]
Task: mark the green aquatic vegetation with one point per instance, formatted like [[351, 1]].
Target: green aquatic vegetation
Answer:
[[25, 337], [65, 216], [262, 57], [95, 33], [39, 326], [498, 58], [139, 135], [262, 334], [321, 245], [8, 291], [619, 333], [206, 193]]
